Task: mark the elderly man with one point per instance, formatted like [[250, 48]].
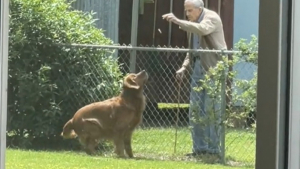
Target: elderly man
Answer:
[[205, 31]]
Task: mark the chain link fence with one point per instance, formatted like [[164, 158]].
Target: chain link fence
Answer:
[[48, 84], [93, 73]]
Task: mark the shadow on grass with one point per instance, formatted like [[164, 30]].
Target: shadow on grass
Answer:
[[55, 144]]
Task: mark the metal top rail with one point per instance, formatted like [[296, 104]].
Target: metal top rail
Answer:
[[141, 48]]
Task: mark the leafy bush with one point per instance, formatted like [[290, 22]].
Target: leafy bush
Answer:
[[49, 82], [248, 54], [245, 92]]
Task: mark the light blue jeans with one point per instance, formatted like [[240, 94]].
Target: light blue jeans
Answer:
[[205, 134]]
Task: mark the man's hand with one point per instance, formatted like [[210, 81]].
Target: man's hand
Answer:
[[170, 17], [180, 73]]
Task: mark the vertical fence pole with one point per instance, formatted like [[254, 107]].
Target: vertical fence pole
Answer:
[[170, 25], [116, 27], [134, 32], [223, 113], [3, 77]]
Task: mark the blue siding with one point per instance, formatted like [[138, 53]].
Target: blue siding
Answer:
[[246, 14], [106, 13]]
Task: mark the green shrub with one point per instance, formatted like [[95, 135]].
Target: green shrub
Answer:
[[245, 92], [49, 82], [249, 54]]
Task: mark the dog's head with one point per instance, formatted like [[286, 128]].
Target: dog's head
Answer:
[[136, 81]]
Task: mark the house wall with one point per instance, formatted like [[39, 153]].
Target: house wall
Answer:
[[246, 14], [106, 13]]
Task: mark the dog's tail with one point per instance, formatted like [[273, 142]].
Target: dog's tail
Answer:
[[68, 130]]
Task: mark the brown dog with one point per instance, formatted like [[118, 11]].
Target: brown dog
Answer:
[[113, 119]]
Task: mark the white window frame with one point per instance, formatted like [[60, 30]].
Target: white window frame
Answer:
[[4, 25], [278, 90], [294, 113]]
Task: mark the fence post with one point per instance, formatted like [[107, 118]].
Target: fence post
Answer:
[[223, 115], [134, 32]]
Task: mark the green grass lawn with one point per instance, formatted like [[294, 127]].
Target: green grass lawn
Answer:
[[18, 159], [153, 148]]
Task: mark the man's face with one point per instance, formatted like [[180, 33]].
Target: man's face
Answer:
[[192, 13]]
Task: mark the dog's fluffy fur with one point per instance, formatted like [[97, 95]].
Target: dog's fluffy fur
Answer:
[[113, 119]]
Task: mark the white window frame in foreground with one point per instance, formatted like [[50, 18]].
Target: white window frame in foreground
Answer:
[[294, 113], [4, 25], [278, 100]]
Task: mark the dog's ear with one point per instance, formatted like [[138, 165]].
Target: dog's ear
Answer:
[[131, 83]]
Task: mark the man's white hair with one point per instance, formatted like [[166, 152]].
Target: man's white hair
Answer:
[[197, 3]]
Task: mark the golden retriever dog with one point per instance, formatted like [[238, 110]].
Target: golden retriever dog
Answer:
[[114, 119]]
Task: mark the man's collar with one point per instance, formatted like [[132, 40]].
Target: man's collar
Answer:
[[201, 15]]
